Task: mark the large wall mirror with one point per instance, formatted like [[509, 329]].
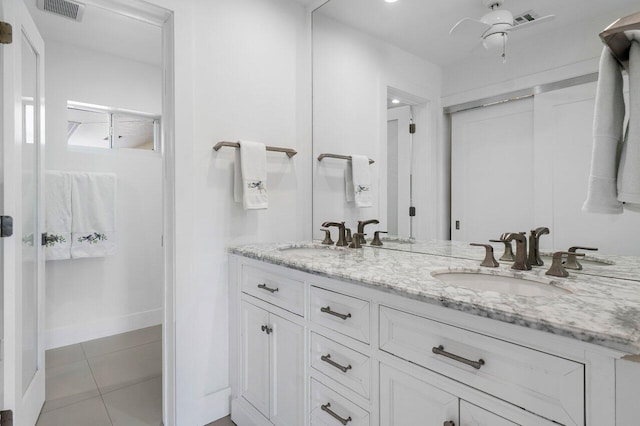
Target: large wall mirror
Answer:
[[503, 134]]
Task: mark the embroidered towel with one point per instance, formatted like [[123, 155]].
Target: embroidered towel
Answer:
[[608, 122], [93, 199], [629, 172], [348, 183], [58, 215], [361, 176], [250, 176]]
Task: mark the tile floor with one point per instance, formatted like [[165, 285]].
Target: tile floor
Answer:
[[225, 421], [114, 381]]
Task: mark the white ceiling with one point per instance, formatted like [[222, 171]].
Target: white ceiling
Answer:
[[422, 26], [102, 30]]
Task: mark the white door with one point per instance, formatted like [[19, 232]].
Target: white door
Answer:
[[492, 163], [287, 372], [406, 400], [398, 176], [21, 174], [255, 356]]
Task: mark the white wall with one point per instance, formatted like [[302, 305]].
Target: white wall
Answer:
[[242, 72], [351, 74], [90, 298]]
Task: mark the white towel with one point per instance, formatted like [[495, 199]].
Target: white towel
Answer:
[[608, 125], [58, 215], [250, 176], [93, 199], [361, 176], [348, 183], [629, 172]]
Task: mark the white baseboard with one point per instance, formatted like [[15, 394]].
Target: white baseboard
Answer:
[[82, 332], [214, 406]]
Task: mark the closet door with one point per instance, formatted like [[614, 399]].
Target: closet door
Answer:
[[492, 171], [21, 254], [406, 400], [287, 372], [255, 356]]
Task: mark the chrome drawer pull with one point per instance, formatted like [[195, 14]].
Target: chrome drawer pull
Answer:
[[440, 351], [327, 358], [267, 329], [264, 287], [334, 415], [328, 310]]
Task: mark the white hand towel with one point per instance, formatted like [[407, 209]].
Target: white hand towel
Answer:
[[608, 125], [58, 215], [629, 172], [93, 200], [361, 181], [348, 183], [250, 176]]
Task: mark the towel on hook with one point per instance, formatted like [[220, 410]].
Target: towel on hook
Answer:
[[93, 199], [250, 176], [58, 215], [360, 174], [629, 171], [608, 125]]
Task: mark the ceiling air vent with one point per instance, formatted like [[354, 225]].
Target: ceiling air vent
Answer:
[[525, 17], [68, 9]]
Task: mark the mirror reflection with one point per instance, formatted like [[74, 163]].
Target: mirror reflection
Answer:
[[503, 125]]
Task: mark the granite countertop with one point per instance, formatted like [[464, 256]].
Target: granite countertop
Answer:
[[599, 310]]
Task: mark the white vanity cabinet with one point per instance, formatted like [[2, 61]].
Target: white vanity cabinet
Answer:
[[310, 350]]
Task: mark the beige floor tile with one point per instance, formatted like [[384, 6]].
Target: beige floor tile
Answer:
[[91, 412], [122, 341], [225, 421], [68, 384], [64, 355], [137, 405], [127, 367]]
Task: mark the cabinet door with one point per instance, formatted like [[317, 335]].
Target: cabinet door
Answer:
[[472, 415], [408, 401], [287, 372], [255, 357]]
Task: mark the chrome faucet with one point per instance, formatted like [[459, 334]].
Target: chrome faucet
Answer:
[[534, 245], [342, 240], [362, 224], [522, 262]]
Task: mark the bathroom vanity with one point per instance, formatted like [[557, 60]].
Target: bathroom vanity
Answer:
[[330, 336]]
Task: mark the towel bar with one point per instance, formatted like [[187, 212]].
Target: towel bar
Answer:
[[340, 157], [290, 152], [615, 38]]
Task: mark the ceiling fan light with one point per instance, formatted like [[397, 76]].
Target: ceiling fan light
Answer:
[[495, 41]]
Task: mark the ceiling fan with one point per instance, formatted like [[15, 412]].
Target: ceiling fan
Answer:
[[492, 29]]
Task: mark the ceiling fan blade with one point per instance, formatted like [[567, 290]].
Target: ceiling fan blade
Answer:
[[468, 27], [534, 22]]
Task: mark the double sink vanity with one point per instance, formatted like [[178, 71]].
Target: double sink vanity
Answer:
[[420, 334]]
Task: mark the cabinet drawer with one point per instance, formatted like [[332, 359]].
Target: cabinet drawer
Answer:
[[274, 288], [346, 366], [344, 314], [541, 383], [328, 407]]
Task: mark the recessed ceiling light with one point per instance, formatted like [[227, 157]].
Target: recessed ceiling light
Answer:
[[394, 101], [390, 1]]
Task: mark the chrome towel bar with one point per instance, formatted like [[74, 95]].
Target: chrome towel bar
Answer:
[[340, 157], [290, 152]]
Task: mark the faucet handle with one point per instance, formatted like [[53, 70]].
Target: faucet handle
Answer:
[[557, 269], [572, 260], [327, 237], [355, 241], [489, 261], [507, 256], [376, 238], [347, 237]]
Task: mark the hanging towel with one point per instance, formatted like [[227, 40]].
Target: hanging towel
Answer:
[[608, 122], [58, 215], [361, 176], [348, 183], [93, 199], [250, 176], [629, 172]]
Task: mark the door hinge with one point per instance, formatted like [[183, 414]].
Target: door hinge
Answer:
[[6, 226], [412, 211], [6, 33], [412, 128], [6, 418]]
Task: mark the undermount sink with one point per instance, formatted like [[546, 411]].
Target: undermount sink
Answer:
[[500, 283]]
